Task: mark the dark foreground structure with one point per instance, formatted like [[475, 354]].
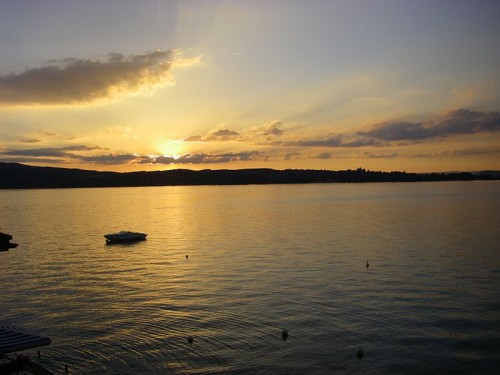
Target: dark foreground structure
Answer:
[[15, 339], [20, 176], [5, 243]]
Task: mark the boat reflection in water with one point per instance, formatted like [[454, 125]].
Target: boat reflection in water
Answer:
[[125, 236]]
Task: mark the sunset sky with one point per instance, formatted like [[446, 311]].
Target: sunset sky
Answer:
[[319, 84]]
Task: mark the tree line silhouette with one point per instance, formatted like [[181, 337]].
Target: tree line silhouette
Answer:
[[20, 176]]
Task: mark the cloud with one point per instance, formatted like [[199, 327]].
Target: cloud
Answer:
[[464, 121], [477, 151], [266, 133], [397, 130], [110, 159], [334, 140], [255, 135], [221, 135], [193, 138], [361, 143], [203, 158], [27, 160], [457, 122], [51, 151], [465, 152], [93, 154], [364, 155], [273, 129], [31, 140], [48, 155], [78, 81], [323, 156], [380, 155]]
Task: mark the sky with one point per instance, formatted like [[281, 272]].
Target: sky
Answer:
[[126, 85]]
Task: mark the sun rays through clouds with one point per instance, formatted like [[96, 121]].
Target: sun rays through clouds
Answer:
[[128, 86]]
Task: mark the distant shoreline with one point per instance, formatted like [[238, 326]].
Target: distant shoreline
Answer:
[[21, 176]]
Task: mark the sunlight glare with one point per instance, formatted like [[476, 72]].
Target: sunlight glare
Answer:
[[172, 148]]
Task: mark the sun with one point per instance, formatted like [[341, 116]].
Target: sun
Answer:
[[171, 148]]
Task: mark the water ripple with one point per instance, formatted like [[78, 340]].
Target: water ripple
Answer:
[[261, 259]]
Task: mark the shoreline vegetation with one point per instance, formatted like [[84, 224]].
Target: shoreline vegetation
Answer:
[[21, 176]]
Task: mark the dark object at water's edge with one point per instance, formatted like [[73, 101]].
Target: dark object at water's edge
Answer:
[[20, 176], [7, 246], [5, 243], [21, 364]]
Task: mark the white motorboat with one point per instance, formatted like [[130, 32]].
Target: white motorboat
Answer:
[[125, 236]]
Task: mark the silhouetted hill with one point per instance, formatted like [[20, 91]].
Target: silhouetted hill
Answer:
[[20, 176], [495, 174]]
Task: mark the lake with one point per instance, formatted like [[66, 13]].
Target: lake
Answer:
[[260, 259]]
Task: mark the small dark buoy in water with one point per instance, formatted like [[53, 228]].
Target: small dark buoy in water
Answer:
[[360, 353], [190, 339], [186, 256], [284, 334], [367, 265]]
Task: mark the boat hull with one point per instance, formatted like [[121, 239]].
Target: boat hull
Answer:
[[125, 236]]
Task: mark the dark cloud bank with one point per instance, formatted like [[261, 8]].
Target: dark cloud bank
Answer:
[[77, 153], [75, 81], [455, 123]]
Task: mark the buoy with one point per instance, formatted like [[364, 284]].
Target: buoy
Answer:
[[284, 334], [360, 353], [186, 256], [190, 339], [367, 265]]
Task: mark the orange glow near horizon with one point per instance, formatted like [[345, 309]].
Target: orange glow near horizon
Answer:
[[167, 86]]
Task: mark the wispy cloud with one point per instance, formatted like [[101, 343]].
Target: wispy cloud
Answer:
[[272, 135], [465, 152], [109, 159], [29, 160], [203, 158], [79, 81], [363, 155], [193, 138], [95, 155], [474, 151], [457, 122], [266, 132], [271, 142], [221, 135], [67, 151], [333, 140]]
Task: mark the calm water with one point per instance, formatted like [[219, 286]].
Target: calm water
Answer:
[[261, 258]]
